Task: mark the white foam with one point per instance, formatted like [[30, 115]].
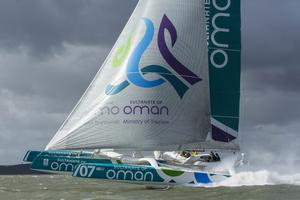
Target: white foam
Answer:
[[259, 178]]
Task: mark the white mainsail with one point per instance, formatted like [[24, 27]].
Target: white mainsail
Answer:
[[153, 89]]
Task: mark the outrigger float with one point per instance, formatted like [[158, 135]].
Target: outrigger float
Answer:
[[171, 83]]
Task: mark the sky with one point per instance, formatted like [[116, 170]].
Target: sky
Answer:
[[51, 50]]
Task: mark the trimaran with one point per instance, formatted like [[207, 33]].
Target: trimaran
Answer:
[[171, 83]]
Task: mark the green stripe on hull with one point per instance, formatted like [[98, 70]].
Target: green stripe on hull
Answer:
[[172, 173]]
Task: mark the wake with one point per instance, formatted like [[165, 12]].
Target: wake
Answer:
[[260, 178], [261, 173]]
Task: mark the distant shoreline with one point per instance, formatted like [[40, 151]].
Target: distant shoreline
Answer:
[[21, 169]]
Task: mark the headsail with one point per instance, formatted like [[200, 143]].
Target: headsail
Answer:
[[224, 43], [153, 88]]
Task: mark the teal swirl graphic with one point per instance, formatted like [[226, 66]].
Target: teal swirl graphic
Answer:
[[135, 74]]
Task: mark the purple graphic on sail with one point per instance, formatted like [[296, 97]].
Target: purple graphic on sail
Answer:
[[183, 71]]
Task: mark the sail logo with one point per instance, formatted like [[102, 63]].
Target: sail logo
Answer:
[[218, 47], [135, 74], [129, 175], [90, 171], [65, 167]]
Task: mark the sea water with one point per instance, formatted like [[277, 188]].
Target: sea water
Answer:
[[258, 185]]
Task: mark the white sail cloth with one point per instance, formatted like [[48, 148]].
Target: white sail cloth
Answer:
[[153, 88]]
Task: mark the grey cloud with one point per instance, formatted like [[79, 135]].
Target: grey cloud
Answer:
[[13, 147], [270, 63], [37, 95], [61, 78], [26, 112], [25, 123], [270, 33], [270, 96], [269, 107], [285, 78], [44, 25]]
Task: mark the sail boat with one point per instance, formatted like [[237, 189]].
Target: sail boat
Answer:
[[170, 83]]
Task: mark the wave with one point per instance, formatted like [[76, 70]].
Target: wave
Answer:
[[260, 178]]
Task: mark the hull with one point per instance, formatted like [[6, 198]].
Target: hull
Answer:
[[147, 175], [60, 161], [84, 165]]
